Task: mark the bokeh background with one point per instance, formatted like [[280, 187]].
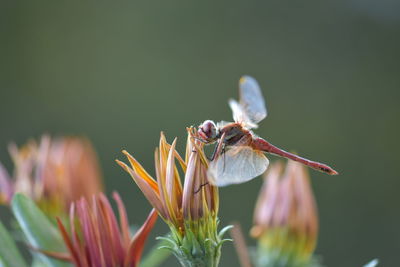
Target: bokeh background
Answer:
[[119, 73]]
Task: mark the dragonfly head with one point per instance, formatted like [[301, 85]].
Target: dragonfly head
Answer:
[[208, 131]]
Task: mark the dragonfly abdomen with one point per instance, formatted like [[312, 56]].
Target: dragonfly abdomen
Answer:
[[261, 144]]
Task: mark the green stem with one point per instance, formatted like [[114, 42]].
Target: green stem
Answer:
[[205, 261]]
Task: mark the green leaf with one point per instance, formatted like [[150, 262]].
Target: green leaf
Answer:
[[224, 230], [38, 229], [36, 262], [158, 254], [167, 241], [9, 254]]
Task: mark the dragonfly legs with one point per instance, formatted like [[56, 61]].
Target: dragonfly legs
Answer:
[[219, 148], [200, 139], [200, 187]]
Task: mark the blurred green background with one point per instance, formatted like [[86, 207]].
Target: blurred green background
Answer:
[[120, 73]]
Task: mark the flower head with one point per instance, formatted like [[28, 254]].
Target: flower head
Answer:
[[53, 172], [285, 218], [97, 239], [190, 210]]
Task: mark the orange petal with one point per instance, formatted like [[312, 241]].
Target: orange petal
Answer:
[[68, 242], [148, 191], [162, 184], [53, 254], [141, 171], [6, 186], [172, 186], [137, 244]]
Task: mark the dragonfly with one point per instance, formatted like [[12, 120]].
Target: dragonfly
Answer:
[[239, 154]]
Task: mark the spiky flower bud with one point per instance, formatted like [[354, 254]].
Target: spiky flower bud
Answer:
[[191, 210], [97, 239], [285, 218], [53, 172]]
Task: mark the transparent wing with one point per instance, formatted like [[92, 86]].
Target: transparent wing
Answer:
[[240, 115], [251, 99], [238, 165]]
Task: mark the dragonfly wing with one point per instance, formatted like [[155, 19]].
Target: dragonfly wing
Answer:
[[240, 115], [237, 165], [251, 99]]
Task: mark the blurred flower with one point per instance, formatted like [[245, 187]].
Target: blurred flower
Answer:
[[53, 172], [191, 211], [96, 239], [285, 218]]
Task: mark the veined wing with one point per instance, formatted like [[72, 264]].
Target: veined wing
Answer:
[[240, 115], [238, 165], [251, 99]]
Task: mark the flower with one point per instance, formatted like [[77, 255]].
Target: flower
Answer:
[[191, 210], [285, 218], [97, 240], [53, 172]]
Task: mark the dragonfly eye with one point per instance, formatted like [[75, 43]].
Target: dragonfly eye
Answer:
[[208, 130]]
